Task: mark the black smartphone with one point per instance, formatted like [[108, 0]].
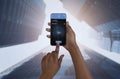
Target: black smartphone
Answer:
[[58, 28]]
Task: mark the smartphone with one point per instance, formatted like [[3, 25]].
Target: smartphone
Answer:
[[58, 28]]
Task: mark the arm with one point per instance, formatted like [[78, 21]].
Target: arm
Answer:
[[81, 70]]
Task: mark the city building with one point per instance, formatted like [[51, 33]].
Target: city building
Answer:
[[21, 21], [101, 15]]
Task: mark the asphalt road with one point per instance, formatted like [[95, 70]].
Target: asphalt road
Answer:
[[99, 66]]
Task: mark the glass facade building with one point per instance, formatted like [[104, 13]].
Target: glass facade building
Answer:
[[21, 21]]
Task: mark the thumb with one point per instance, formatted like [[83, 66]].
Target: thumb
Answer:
[[60, 60]]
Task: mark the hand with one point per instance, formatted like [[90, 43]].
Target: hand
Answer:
[[51, 64], [70, 36], [70, 39]]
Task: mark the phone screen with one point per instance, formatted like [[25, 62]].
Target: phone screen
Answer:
[[58, 28]]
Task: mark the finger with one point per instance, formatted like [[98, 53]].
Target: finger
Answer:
[[57, 48], [50, 57], [48, 53], [55, 56], [67, 22], [48, 29], [43, 59], [49, 23], [68, 26], [60, 60], [43, 62], [49, 36], [47, 57]]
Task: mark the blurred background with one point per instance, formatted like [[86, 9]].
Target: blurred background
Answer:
[[23, 40]]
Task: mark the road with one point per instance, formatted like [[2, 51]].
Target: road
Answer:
[[99, 66]]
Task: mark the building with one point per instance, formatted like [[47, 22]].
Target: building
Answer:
[[21, 21], [101, 15]]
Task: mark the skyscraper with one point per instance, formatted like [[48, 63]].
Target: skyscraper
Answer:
[[101, 15], [21, 21]]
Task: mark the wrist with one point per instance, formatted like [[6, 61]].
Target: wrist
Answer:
[[72, 47]]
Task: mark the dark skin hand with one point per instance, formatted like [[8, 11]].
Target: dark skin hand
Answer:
[[81, 70], [51, 64]]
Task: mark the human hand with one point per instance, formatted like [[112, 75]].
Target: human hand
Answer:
[[70, 36], [51, 64], [70, 39]]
